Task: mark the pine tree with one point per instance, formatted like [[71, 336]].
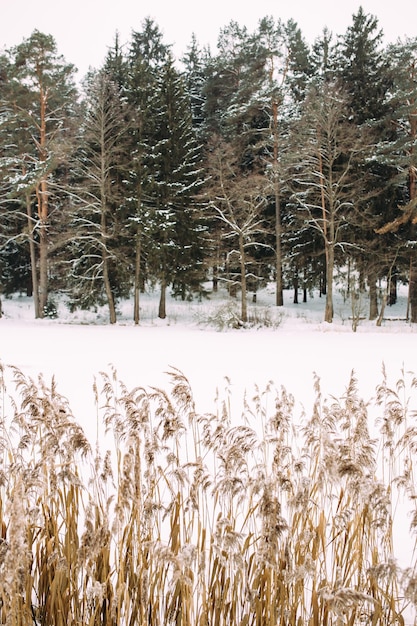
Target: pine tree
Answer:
[[361, 65], [38, 101]]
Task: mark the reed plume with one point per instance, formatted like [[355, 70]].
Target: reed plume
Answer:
[[272, 517]]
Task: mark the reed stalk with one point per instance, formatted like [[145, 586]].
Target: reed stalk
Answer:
[[270, 518]]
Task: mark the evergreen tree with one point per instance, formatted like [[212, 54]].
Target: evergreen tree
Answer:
[[273, 90], [39, 105], [322, 57], [195, 62], [175, 180], [363, 69], [15, 268], [399, 153], [245, 101], [145, 61], [115, 64], [300, 66]]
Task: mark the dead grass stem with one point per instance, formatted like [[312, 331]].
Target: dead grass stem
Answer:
[[193, 519]]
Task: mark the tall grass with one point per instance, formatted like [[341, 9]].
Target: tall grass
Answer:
[[204, 519]]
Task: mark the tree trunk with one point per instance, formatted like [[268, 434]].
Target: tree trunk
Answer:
[[323, 281], [216, 264], [392, 297], [412, 187], [278, 246], [244, 304], [162, 313], [105, 259], [215, 278], [278, 223], [136, 311], [382, 311], [323, 287], [108, 290], [373, 296], [32, 252], [295, 284], [412, 289], [43, 268], [43, 209], [329, 242], [329, 250], [328, 313], [42, 200]]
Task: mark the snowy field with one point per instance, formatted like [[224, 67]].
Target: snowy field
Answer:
[[294, 346]]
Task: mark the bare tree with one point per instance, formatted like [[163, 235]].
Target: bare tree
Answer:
[[237, 199], [325, 184], [94, 267]]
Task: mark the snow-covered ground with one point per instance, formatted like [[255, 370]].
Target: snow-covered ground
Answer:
[[289, 351], [76, 347]]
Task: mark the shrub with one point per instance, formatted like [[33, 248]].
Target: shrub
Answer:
[[227, 316]]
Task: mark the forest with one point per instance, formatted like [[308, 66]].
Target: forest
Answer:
[[267, 160]]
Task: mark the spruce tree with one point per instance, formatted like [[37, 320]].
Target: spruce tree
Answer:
[[300, 66], [361, 65], [363, 68], [398, 152], [322, 56], [15, 266], [146, 57], [195, 62], [175, 178]]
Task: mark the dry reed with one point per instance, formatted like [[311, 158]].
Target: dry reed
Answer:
[[196, 520]]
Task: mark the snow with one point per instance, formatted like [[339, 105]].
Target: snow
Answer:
[[76, 347]]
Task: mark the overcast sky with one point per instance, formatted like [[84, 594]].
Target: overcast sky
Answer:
[[84, 29]]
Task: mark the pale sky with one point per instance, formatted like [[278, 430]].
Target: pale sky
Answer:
[[84, 29]]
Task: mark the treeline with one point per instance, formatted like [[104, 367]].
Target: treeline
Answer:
[[268, 159]]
